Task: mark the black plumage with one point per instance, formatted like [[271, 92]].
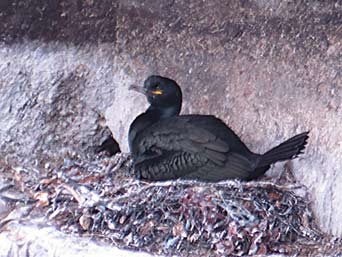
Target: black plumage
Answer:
[[109, 146], [165, 145]]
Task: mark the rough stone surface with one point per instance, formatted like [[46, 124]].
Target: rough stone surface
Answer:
[[35, 239], [270, 69], [51, 100]]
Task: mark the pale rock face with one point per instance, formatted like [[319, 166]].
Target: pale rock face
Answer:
[[36, 239], [268, 69]]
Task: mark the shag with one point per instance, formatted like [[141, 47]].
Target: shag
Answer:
[[109, 146], [165, 145]]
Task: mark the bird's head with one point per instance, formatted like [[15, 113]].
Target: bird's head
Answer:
[[161, 92]]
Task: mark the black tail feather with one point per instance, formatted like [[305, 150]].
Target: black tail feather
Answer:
[[290, 149]]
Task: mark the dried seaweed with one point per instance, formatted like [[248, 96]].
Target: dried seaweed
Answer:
[[102, 200]]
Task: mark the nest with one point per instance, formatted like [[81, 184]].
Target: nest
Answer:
[[101, 199]]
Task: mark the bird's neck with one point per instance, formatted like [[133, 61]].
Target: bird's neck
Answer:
[[158, 113]]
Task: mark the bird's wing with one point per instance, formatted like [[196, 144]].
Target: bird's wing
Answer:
[[175, 147], [179, 135], [236, 167]]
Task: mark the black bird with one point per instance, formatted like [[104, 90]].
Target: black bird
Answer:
[[165, 145], [109, 146]]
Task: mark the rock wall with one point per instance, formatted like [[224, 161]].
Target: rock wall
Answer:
[[270, 69]]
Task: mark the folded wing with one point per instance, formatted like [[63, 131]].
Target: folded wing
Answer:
[[177, 148]]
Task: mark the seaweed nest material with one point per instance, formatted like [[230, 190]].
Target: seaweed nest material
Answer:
[[102, 200]]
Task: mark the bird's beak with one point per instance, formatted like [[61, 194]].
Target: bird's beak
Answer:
[[156, 92], [138, 89]]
